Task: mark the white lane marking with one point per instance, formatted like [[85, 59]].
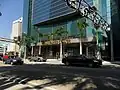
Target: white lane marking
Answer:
[[15, 80], [4, 78], [19, 87], [23, 80], [13, 77], [6, 84]]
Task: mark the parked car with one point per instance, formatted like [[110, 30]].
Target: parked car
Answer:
[[41, 58], [38, 58], [82, 60], [1, 58], [14, 61]]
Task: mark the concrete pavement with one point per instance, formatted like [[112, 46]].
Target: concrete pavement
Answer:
[[54, 76], [49, 61], [58, 77]]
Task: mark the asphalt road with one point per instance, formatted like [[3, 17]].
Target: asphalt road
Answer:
[[58, 77]]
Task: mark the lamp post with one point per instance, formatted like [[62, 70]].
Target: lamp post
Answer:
[[90, 12], [15, 41], [111, 43], [0, 14], [24, 45]]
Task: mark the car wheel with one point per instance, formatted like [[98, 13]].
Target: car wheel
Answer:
[[90, 65], [11, 63], [98, 66], [4, 62], [67, 63], [21, 63], [44, 60]]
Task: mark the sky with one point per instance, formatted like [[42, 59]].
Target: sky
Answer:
[[11, 10]]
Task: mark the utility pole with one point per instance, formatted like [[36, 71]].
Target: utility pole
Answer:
[[111, 42]]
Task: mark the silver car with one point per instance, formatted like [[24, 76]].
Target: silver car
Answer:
[[38, 58]]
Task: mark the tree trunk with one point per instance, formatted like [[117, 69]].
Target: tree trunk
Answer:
[[98, 51], [19, 51], [80, 46], [86, 51], [15, 48], [51, 52], [61, 50], [24, 53]]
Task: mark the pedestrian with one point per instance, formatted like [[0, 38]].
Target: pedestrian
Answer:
[[57, 55], [5, 57]]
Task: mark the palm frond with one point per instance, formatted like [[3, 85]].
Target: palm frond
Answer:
[[40, 35]]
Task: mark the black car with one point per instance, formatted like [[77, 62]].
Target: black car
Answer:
[[14, 61], [82, 60], [1, 58]]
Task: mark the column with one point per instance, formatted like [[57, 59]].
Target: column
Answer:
[[60, 50], [4, 51], [80, 46], [32, 51], [39, 49], [86, 51]]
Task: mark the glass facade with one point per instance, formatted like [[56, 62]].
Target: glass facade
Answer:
[[25, 16], [44, 10], [49, 9], [115, 21]]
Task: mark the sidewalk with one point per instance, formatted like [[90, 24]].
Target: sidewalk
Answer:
[[108, 64], [49, 61]]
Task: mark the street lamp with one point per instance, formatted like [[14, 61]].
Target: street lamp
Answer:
[[15, 41], [111, 42], [0, 14], [90, 12]]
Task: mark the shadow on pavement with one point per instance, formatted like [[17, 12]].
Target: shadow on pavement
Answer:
[[59, 77]]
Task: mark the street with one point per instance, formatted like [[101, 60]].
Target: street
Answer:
[[57, 77]]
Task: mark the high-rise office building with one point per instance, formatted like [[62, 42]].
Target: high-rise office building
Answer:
[[115, 22], [46, 16], [16, 32]]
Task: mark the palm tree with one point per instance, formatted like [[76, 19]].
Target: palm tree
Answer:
[[50, 37], [40, 35], [25, 41], [60, 32], [96, 35], [81, 24]]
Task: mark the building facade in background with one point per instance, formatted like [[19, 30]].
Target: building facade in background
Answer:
[[46, 16], [115, 22], [16, 31], [3, 48]]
